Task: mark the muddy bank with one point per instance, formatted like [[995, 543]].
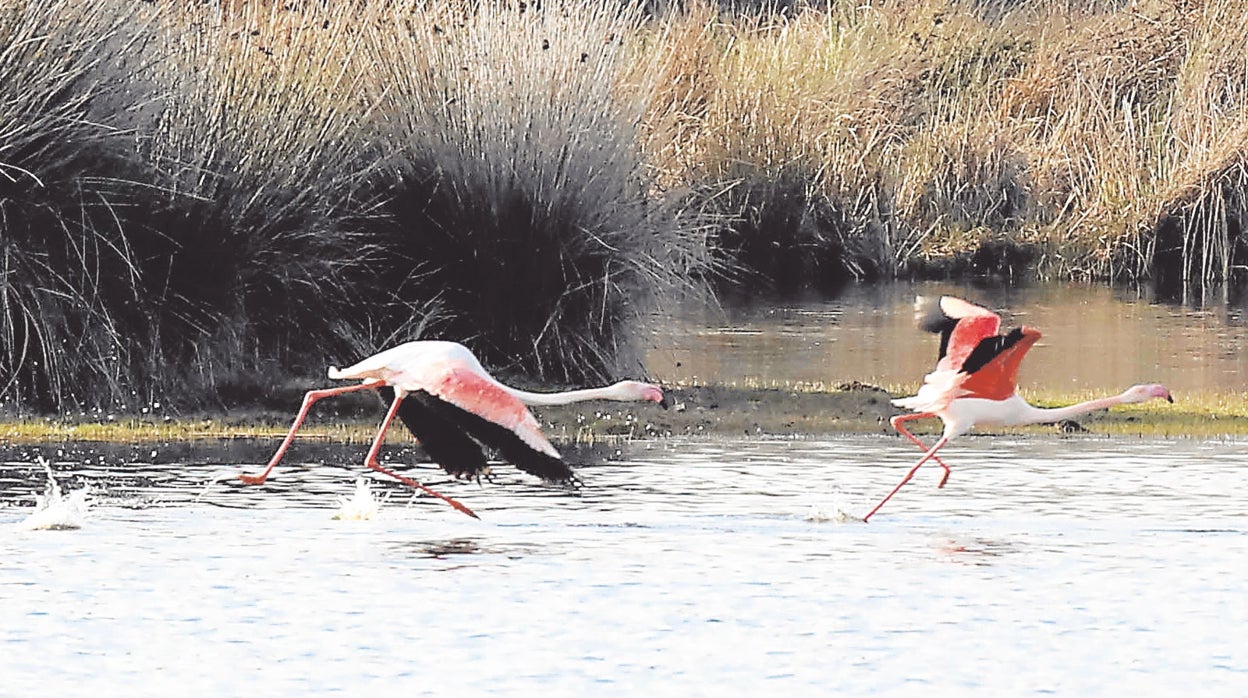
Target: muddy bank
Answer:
[[711, 411], [697, 411], [731, 411], [855, 408]]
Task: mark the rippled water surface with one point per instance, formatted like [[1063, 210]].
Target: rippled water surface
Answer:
[[1072, 566]]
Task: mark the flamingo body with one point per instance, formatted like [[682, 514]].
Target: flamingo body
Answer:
[[456, 409], [452, 373], [975, 381]]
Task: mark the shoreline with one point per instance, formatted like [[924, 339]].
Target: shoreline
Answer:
[[698, 410]]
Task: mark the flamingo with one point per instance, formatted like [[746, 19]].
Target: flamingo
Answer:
[[975, 381], [455, 408]]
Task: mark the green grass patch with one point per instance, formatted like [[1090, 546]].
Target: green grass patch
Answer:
[[727, 411]]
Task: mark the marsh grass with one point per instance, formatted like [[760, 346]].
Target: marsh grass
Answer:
[[68, 282], [294, 189], [256, 248], [1092, 140], [200, 201], [721, 411], [518, 184]]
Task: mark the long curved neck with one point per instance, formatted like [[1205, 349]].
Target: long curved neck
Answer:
[[566, 397], [1043, 415]]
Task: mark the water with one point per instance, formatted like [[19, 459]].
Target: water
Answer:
[[1095, 338], [54, 510], [1069, 565]]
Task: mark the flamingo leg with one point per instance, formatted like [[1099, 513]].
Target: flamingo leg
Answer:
[[371, 460], [897, 421], [931, 453], [308, 400]]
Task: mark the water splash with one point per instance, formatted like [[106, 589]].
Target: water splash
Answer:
[[361, 506], [55, 511], [216, 477], [817, 514], [834, 512]]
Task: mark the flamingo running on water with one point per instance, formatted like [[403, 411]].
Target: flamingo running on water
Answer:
[[454, 407], [975, 377]]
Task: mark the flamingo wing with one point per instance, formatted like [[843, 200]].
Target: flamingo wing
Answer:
[[961, 326], [441, 438], [463, 406], [972, 325], [470, 429], [992, 366], [974, 360], [480, 395]]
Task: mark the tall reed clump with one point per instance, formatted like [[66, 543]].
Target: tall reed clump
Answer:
[[72, 326], [520, 201], [847, 140], [772, 129], [1091, 109], [1067, 138], [961, 180], [1203, 188], [255, 250]]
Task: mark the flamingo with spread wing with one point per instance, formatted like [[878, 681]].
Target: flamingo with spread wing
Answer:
[[454, 408], [975, 381]]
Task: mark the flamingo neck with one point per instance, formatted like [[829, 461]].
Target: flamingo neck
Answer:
[[566, 397], [1043, 415]]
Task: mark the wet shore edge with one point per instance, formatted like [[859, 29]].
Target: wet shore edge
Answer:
[[703, 410]]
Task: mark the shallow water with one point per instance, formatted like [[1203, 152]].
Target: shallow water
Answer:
[[1077, 566], [1095, 338]]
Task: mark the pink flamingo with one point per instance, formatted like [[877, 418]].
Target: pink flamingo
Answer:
[[455, 408], [975, 381]]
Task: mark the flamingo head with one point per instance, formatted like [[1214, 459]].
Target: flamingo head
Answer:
[[636, 390], [1142, 393]]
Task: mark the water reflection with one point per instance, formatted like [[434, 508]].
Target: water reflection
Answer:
[[1095, 338]]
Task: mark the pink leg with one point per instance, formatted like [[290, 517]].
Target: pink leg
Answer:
[[371, 460], [311, 397], [931, 453], [897, 421]]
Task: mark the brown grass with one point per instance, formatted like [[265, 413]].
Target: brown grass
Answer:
[[268, 183], [1076, 130]]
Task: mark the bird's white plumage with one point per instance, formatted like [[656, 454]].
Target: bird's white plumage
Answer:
[[406, 365], [450, 372]]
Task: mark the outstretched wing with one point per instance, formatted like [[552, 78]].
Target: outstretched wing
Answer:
[[470, 428], [458, 399], [469, 390], [974, 360], [961, 326], [992, 367], [441, 438]]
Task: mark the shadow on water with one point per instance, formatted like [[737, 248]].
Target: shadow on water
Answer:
[[457, 547], [977, 550]]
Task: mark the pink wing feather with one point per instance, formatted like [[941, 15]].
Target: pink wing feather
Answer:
[[467, 389], [974, 324]]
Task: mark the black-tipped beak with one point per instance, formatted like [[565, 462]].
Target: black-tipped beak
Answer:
[[1170, 399], [666, 402]]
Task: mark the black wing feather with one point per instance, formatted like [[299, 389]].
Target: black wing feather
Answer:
[[453, 436], [932, 319], [990, 348], [442, 440]]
